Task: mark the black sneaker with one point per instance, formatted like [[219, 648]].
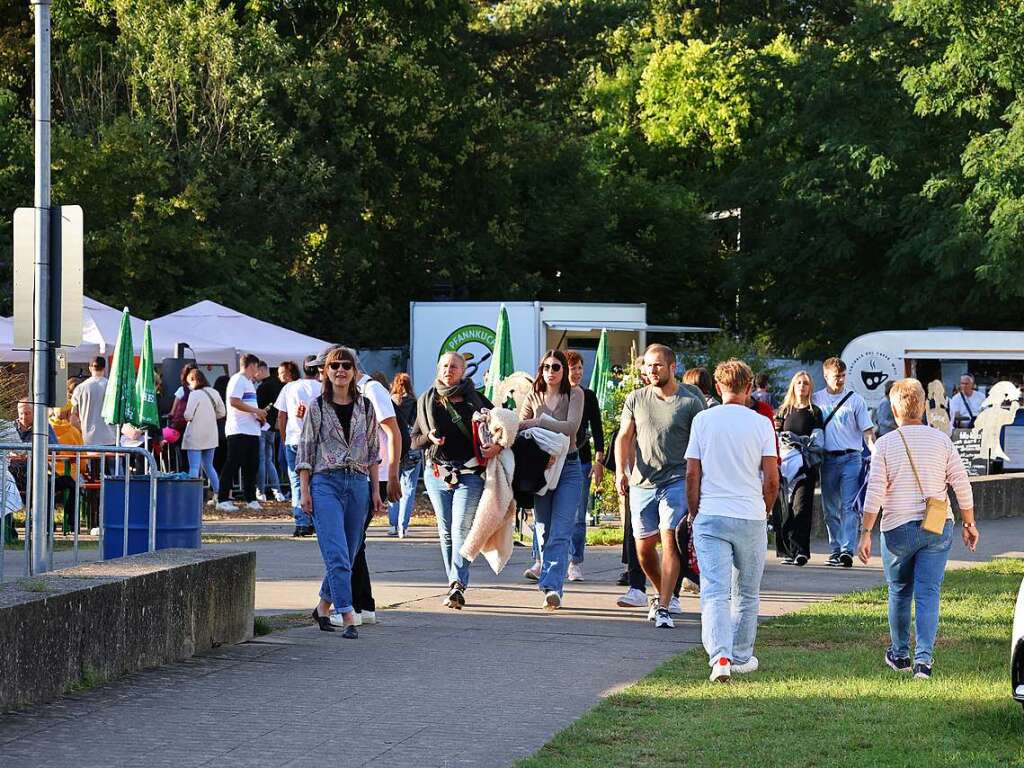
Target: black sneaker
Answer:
[[923, 671], [900, 665], [833, 560], [456, 597], [623, 580], [298, 531], [800, 560], [309, 530], [846, 560], [788, 561]]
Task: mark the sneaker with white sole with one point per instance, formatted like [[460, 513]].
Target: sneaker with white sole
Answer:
[[634, 598], [652, 611], [675, 607], [261, 496], [366, 617], [721, 671], [896, 663], [533, 572], [226, 506], [552, 602], [392, 530], [663, 619], [923, 671], [750, 665], [212, 502], [338, 620], [254, 505], [279, 496], [575, 572]]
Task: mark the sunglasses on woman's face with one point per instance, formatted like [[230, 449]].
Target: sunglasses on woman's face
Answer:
[[553, 367], [343, 364]]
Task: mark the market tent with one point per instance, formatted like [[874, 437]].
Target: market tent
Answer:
[[211, 320], [8, 354]]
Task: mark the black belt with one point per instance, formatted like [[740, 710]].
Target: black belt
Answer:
[[572, 456], [842, 453]]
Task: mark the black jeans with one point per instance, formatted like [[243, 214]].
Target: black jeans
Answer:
[[362, 589], [242, 451], [795, 533]]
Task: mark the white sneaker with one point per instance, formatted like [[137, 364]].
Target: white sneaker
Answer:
[[655, 604], [337, 620], [392, 530], [663, 619], [575, 572], [633, 598], [533, 572], [212, 502], [367, 617], [552, 602], [403, 532], [675, 607], [359, 620], [750, 665], [721, 672], [226, 506], [254, 505], [691, 587], [261, 496], [94, 532], [278, 496]]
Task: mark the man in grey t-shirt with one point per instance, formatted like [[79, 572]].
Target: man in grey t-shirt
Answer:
[[651, 468], [87, 406]]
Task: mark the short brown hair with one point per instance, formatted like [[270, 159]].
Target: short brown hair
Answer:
[[907, 398], [574, 358], [661, 349], [833, 364], [700, 378], [733, 375]]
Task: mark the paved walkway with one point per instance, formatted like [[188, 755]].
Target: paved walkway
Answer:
[[426, 687]]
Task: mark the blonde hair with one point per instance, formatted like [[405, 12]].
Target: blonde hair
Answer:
[[833, 364], [907, 399], [791, 401], [734, 375]]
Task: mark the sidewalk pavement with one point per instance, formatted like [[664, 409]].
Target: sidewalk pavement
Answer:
[[425, 687]]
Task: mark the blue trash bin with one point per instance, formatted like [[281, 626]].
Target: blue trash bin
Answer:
[[179, 514]]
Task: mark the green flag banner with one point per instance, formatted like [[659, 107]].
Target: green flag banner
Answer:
[[147, 414], [119, 401], [601, 375], [502, 364]]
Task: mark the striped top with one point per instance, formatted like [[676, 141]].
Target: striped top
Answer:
[[891, 483]]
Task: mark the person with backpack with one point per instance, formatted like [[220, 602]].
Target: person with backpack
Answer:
[[337, 461], [452, 475], [400, 512], [203, 407]]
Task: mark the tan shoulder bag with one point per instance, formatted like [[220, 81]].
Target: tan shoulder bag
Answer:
[[936, 509]]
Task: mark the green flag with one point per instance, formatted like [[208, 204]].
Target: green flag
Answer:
[[119, 401], [501, 362], [147, 414], [602, 372]]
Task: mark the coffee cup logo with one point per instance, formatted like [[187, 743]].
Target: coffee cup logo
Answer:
[[873, 379]]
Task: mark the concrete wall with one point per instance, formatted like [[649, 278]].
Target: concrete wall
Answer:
[[98, 621]]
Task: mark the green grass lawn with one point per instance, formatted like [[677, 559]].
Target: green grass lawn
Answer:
[[824, 696]]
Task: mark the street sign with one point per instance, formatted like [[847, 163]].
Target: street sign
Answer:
[[66, 275]]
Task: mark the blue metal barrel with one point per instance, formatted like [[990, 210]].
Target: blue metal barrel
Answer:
[[179, 514]]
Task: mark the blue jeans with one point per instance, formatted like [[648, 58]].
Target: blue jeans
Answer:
[[268, 467], [555, 515], [400, 512], [195, 458], [302, 520], [731, 553], [840, 476], [578, 542], [455, 509], [915, 564], [340, 500]]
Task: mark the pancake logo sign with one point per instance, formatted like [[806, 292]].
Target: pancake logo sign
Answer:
[[476, 344], [868, 374]]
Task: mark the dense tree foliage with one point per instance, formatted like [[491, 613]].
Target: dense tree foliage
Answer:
[[323, 163]]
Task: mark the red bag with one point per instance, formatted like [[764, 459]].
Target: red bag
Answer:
[[177, 421]]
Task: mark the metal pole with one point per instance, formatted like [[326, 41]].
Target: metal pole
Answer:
[[127, 492], [3, 515], [41, 335], [152, 501], [28, 515], [78, 500], [103, 491]]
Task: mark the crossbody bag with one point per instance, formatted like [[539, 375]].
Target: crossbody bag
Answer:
[[936, 508]]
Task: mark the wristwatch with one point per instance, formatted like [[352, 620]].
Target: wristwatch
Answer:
[[970, 525]]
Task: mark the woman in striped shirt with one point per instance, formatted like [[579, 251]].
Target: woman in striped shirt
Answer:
[[914, 559]]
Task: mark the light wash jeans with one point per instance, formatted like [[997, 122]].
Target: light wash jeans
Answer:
[[555, 515], [731, 553], [578, 542], [840, 477], [340, 500], [455, 510], [400, 512], [301, 518], [915, 564], [268, 467], [195, 458]]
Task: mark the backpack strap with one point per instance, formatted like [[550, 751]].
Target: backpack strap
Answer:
[[835, 410]]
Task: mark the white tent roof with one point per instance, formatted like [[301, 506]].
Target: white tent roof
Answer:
[[247, 334], [8, 354]]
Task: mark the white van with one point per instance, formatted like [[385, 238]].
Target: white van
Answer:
[[940, 353]]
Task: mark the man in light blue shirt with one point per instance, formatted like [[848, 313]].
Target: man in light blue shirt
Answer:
[[847, 426]]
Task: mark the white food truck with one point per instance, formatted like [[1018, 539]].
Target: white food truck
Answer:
[[939, 353], [468, 327]]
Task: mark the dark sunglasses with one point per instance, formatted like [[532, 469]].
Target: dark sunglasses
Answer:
[[555, 367], [345, 364]]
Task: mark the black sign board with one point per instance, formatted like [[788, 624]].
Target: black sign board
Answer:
[[969, 447]]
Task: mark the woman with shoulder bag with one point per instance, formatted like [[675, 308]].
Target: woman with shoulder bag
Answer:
[[452, 475], [912, 469], [338, 451], [202, 409], [796, 421]]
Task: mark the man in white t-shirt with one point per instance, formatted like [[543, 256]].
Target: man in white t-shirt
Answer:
[[291, 405], [848, 426], [966, 404], [732, 480], [87, 406], [242, 432]]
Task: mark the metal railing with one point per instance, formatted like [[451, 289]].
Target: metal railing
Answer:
[[72, 453]]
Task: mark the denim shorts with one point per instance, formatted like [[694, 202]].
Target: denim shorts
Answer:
[[657, 509]]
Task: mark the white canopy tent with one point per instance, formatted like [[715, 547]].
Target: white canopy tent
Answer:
[[208, 319], [8, 354]]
